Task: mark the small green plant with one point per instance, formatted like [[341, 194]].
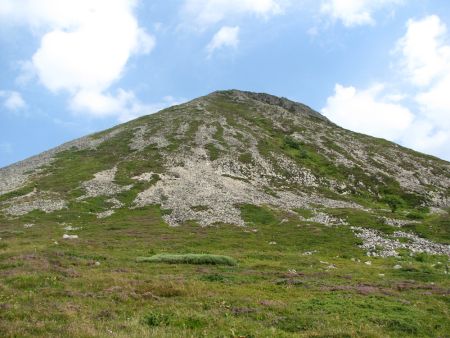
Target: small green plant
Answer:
[[193, 323], [189, 259], [215, 277], [156, 319]]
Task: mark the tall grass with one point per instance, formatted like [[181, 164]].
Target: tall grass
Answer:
[[188, 259]]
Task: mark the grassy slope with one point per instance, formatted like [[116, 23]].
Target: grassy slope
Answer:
[[57, 289]]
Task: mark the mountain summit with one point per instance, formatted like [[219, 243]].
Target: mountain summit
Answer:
[[334, 232], [202, 159]]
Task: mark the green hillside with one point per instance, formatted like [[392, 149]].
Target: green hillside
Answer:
[[234, 215]]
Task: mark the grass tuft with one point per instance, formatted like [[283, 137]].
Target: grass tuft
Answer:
[[189, 259]]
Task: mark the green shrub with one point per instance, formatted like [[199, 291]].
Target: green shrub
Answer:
[[394, 202], [418, 214], [188, 259], [291, 142]]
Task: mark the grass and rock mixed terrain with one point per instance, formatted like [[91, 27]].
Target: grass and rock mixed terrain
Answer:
[[233, 215]]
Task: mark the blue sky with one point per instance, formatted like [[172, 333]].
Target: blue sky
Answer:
[[73, 67]]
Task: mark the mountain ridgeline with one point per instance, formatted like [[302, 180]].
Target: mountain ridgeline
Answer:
[[199, 161]]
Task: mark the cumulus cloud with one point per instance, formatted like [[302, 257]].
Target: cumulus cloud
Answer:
[[375, 112], [424, 56], [355, 12], [368, 111], [12, 100], [225, 37], [205, 13], [85, 45]]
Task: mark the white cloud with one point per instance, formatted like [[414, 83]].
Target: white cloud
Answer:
[[435, 102], [85, 45], [423, 54], [124, 104], [12, 100], [378, 114], [425, 58], [205, 13], [428, 138], [225, 37], [355, 12], [367, 111]]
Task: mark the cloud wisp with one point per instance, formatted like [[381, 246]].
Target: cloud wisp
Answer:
[[355, 12], [12, 100], [225, 37], [203, 14]]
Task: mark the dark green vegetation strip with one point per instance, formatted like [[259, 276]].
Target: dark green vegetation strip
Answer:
[[189, 259]]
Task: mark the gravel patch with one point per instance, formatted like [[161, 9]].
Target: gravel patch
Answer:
[[46, 205], [103, 185]]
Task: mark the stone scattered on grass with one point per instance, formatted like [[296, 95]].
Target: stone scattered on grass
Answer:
[[397, 267], [378, 244], [116, 204], [398, 223], [71, 228], [105, 214], [103, 185], [145, 177], [327, 220], [66, 236]]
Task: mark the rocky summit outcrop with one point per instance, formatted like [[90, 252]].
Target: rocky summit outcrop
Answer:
[[202, 160]]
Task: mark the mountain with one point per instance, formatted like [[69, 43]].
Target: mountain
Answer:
[[308, 209]]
